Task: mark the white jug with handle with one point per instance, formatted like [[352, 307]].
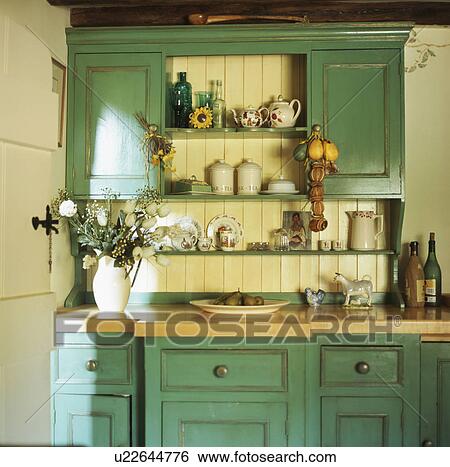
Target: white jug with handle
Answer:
[[363, 229]]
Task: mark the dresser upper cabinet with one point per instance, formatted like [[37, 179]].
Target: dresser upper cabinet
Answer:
[[104, 138], [357, 98]]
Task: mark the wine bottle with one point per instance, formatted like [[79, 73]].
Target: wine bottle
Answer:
[[433, 280], [218, 107], [182, 101], [414, 279]]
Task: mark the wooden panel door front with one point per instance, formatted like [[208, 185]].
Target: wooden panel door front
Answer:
[[104, 141], [357, 98], [92, 420], [362, 421], [435, 390], [230, 424]]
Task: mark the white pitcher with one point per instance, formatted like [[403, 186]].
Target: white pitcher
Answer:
[[364, 234]]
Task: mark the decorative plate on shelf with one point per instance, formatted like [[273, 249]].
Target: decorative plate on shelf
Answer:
[[222, 222], [270, 306], [277, 192]]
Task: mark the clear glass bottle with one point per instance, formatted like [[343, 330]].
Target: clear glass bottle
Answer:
[[414, 279], [182, 101], [219, 107], [433, 279]]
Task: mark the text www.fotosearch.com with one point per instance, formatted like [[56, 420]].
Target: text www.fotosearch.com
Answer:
[[208, 457]]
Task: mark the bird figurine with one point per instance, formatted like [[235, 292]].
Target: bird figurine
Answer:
[[314, 298]]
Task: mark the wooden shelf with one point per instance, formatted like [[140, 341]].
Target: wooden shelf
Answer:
[[219, 198], [217, 132], [275, 253]]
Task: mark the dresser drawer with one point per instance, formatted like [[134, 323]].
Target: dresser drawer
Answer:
[[91, 365], [224, 370], [360, 366]]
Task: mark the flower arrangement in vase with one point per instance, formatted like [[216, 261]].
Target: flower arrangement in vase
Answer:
[[121, 243]]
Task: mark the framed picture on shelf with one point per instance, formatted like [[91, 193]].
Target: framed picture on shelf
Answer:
[[296, 224], [59, 87]]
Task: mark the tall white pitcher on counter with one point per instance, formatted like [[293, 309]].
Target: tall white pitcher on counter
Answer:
[[364, 233]]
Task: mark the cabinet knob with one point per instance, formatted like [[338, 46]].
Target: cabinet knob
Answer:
[[91, 365], [221, 371], [427, 443], [362, 368]]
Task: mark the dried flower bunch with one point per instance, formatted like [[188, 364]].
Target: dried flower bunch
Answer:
[[157, 149], [129, 238]]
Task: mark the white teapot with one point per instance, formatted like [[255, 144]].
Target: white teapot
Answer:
[[282, 113]]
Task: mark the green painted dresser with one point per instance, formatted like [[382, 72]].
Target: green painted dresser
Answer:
[[345, 391]]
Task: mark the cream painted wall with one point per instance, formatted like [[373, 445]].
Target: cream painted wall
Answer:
[[427, 154], [30, 166]]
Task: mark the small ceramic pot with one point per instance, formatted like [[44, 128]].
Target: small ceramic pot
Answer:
[[249, 178], [204, 243], [184, 242], [337, 245], [222, 178], [325, 245]]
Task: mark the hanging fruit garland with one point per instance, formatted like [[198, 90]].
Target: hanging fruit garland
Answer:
[[321, 154]]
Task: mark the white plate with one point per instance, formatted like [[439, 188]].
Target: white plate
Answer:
[[270, 306], [276, 192], [223, 221]]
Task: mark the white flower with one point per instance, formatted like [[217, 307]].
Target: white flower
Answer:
[[160, 233], [151, 209], [163, 210], [163, 260], [147, 252], [68, 208], [137, 252], [149, 223], [102, 218], [130, 220], [89, 261], [130, 206]]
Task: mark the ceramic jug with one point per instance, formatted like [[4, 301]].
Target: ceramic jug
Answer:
[[282, 113], [363, 229], [250, 117]]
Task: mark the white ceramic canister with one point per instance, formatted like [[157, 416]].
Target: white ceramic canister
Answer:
[[222, 178], [249, 178]]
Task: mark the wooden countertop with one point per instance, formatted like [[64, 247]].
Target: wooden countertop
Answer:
[[185, 320]]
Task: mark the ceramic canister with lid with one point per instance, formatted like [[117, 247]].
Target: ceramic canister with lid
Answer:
[[222, 178], [249, 178]]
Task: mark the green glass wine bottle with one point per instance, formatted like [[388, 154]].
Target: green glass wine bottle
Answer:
[[433, 279]]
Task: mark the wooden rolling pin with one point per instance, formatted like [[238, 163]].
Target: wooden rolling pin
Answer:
[[198, 18]]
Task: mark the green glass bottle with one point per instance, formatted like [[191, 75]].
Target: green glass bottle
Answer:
[[433, 280], [182, 101]]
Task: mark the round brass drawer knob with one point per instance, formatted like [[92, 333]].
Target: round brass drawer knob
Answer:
[[362, 368], [221, 371], [91, 365], [427, 443]]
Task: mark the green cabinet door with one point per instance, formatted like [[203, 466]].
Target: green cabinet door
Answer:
[[104, 139], [92, 420], [357, 98], [435, 394], [230, 424], [362, 421]]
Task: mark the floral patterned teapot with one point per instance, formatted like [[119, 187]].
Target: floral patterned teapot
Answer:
[[250, 117], [282, 113]]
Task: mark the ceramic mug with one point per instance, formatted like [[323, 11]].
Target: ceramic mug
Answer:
[[227, 240], [204, 243], [325, 245]]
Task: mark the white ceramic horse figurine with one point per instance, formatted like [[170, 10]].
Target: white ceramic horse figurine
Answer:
[[362, 288]]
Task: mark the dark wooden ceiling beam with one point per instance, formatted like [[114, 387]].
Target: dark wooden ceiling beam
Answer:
[[173, 12]]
